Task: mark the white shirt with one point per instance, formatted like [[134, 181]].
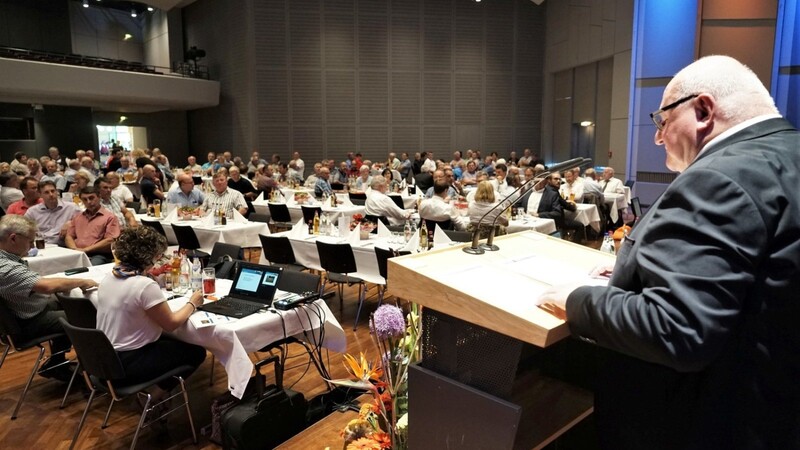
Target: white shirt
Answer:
[[301, 166], [122, 193], [501, 188], [428, 166], [575, 188], [379, 204], [122, 311], [533, 201], [435, 208], [613, 185]]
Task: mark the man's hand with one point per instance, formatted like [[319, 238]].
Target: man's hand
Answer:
[[557, 295], [602, 271], [87, 284]]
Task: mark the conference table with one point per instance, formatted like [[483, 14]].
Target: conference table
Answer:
[[528, 223], [296, 212], [231, 342], [53, 259], [243, 234], [586, 214]]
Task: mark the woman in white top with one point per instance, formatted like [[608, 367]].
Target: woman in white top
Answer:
[[483, 201], [133, 313]]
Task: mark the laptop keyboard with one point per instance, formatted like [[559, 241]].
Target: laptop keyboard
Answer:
[[238, 305]]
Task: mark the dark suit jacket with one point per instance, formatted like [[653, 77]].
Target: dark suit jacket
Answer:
[[703, 306], [552, 206]]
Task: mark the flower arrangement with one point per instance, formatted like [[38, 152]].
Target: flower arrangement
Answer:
[[300, 197], [360, 221], [383, 424]]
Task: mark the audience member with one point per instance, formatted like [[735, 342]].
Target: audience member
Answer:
[[187, 194], [323, 186], [30, 197], [119, 190], [223, 198], [124, 216], [364, 180], [610, 183], [192, 167], [573, 188], [52, 215], [483, 202], [553, 206], [35, 169], [9, 189], [93, 230], [379, 204], [438, 209], [298, 164], [19, 164], [53, 175], [239, 183], [150, 185]]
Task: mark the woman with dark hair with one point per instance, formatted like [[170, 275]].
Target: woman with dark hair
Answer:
[[394, 185], [133, 313]]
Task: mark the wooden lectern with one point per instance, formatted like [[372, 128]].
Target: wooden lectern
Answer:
[[478, 312]]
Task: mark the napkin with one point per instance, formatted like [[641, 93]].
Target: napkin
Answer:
[[345, 200], [382, 230], [173, 215], [299, 230], [208, 219], [440, 238], [354, 238], [413, 244], [238, 217]]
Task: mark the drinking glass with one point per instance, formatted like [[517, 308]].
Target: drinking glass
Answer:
[[157, 208], [39, 241], [209, 281]]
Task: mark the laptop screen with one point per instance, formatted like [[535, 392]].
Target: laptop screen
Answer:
[[256, 282]]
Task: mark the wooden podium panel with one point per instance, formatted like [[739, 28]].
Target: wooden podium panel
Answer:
[[496, 290]]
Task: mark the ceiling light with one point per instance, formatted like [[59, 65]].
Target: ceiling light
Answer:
[[133, 13], [127, 36], [123, 118], [85, 3], [586, 123], [150, 8]]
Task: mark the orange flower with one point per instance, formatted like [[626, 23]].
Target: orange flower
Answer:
[[386, 398], [383, 439], [364, 443], [362, 369]]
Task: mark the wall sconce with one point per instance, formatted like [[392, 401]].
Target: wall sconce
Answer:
[[85, 3], [123, 118], [587, 123]]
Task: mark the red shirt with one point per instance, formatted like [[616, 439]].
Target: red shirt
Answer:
[[19, 207], [102, 225]]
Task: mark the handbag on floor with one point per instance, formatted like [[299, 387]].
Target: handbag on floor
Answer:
[[266, 419]]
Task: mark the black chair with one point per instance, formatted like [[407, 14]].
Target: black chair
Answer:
[[374, 219], [630, 183], [459, 236], [156, 225], [222, 249], [197, 180], [187, 240], [398, 200], [280, 215], [636, 208], [337, 186], [309, 212], [383, 255], [80, 312], [9, 329], [358, 198], [258, 217], [338, 261], [103, 372], [134, 206], [423, 181], [298, 282], [279, 252], [443, 224]]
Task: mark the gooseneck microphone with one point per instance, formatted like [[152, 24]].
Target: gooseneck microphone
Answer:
[[476, 249]]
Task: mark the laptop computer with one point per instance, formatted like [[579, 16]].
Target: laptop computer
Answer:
[[253, 289]]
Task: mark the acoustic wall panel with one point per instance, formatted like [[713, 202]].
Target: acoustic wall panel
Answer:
[[499, 46], [499, 139], [374, 142], [304, 6], [438, 8], [469, 43], [469, 98], [437, 43], [340, 97], [406, 7], [373, 7], [273, 139], [437, 139], [373, 103], [405, 93], [340, 140], [271, 45], [304, 40], [406, 139], [405, 43], [373, 42], [340, 41], [437, 98], [307, 141], [498, 97], [339, 6], [273, 104], [306, 96]]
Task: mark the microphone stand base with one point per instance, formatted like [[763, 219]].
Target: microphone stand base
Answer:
[[489, 248], [474, 250]]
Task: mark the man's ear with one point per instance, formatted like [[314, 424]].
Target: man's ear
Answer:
[[705, 107]]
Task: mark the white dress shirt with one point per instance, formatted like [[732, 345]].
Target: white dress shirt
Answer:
[[575, 188], [379, 204], [435, 208], [613, 185]]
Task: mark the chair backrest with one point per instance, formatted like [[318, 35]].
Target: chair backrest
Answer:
[[398, 200], [8, 322], [156, 225], [358, 201], [383, 255], [95, 352], [309, 211], [357, 196], [337, 186], [80, 311], [636, 207], [258, 217], [299, 282], [336, 258], [133, 206], [187, 240], [374, 219], [277, 249], [279, 212], [630, 183], [458, 236], [443, 224], [222, 249]]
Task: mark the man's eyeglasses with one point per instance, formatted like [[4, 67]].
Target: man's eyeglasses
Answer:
[[657, 116]]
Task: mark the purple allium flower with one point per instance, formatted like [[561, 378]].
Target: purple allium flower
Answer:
[[388, 321]]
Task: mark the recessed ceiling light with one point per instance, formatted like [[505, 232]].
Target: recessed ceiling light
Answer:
[[133, 13], [127, 36], [150, 8]]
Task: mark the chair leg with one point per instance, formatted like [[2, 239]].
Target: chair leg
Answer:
[[83, 419], [28, 384], [5, 353], [69, 386], [141, 419], [362, 292], [108, 413], [188, 410], [381, 291]]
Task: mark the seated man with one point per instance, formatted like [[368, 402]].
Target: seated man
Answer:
[[52, 215], [9, 189], [573, 189], [53, 175], [379, 204], [238, 183], [322, 187], [552, 206], [500, 182], [123, 214], [611, 183], [187, 194], [28, 296], [93, 230], [119, 190], [150, 185], [223, 198], [30, 192], [436, 208]]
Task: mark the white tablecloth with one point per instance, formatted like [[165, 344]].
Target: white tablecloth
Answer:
[[241, 234], [54, 259], [546, 226], [615, 203], [586, 214], [232, 342]]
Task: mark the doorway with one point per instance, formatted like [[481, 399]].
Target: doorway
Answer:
[[128, 138]]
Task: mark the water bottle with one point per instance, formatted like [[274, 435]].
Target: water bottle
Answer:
[[186, 274], [608, 244], [407, 232], [197, 275]]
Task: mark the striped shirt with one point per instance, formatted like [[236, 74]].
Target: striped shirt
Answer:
[[115, 207], [229, 199], [16, 287]]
